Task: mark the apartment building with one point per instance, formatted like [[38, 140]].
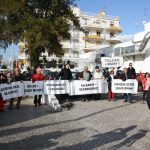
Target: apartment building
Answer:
[[100, 31]]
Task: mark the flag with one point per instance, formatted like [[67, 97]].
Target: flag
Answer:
[[17, 64], [143, 80]]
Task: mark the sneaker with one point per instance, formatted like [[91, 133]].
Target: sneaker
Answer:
[[35, 104]]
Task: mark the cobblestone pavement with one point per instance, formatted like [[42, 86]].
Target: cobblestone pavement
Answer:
[[100, 125]]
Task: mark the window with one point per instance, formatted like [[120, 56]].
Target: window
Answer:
[[98, 33], [112, 34], [75, 54], [86, 33]]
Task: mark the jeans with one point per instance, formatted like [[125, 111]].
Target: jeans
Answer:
[[128, 96]]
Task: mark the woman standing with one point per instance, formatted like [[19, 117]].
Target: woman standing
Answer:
[[111, 95], [146, 88]]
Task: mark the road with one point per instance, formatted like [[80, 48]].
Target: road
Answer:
[[94, 125]]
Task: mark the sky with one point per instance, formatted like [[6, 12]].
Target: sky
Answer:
[[133, 13]]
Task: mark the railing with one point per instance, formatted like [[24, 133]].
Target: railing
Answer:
[[126, 50]]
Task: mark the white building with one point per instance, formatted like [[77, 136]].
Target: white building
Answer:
[[100, 31], [136, 51]]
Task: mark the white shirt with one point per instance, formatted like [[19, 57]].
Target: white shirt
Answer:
[[98, 75]]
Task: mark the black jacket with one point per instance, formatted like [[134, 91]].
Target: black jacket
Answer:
[[131, 73], [27, 76], [16, 78], [109, 81], [125, 77], [65, 74]]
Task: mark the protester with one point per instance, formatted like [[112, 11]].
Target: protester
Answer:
[[97, 75], [38, 77], [110, 77], [28, 75], [65, 74], [17, 76], [3, 79], [146, 87], [2, 102], [86, 75], [126, 76], [131, 72]]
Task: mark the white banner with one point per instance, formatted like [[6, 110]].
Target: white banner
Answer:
[[56, 87], [51, 101], [32, 89], [81, 87], [15, 89], [128, 86], [115, 62]]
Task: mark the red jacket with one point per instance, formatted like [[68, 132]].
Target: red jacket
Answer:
[[38, 77]]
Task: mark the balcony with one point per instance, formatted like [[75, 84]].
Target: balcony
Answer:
[[115, 29], [96, 26], [93, 37], [114, 40], [91, 48]]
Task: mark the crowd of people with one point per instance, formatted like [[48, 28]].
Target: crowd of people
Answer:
[[66, 74]]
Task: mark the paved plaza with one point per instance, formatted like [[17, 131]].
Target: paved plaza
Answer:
[[98, 125]]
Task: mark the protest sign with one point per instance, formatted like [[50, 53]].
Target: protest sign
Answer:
[[8, 91], [31, 89], [128, 86], [56, 87], [112, 62], [81, 87]]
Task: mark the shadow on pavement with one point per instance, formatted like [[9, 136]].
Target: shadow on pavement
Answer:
[[108, 137], [25, 113], [38, 142]]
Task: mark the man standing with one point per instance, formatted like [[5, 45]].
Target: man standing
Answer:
[[97, 75], [131, 72], [38, 77], [86, 75], [126, 76], [17, 76], [65, 74]]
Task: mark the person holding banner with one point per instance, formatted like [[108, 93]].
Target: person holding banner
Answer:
[[126, 76], [97, 75], [16, 76], [110, 77], [3, 79], [65, 74], [38, 77], [86, 75], [131, 72], [146, 86]]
